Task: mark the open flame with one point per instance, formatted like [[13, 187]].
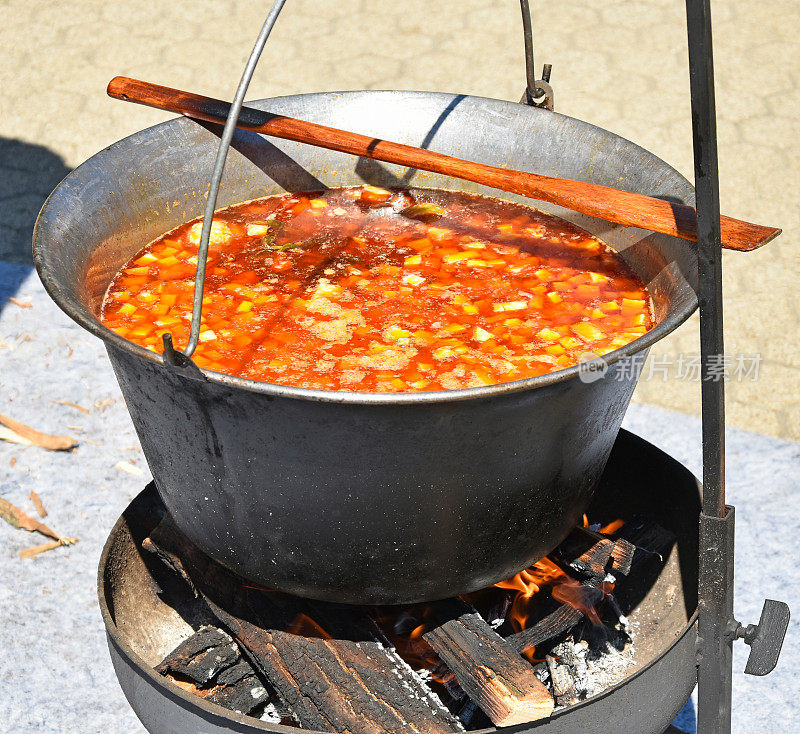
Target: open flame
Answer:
[[527, 583], [405, 629], [305, 626]]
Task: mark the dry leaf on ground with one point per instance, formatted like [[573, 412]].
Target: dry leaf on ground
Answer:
[[38, 504], [16, 432]]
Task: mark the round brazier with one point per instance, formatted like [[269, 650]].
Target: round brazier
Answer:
[[146, 620]]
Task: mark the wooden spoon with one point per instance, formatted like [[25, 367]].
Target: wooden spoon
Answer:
[[613, 205]]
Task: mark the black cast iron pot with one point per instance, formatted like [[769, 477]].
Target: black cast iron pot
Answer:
[[359, 497]]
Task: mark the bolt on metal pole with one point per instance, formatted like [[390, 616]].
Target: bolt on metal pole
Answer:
[[716, 522]]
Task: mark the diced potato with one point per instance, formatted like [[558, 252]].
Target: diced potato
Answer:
[[318, 203], [143, 270], [413, 260], [326, 289], [147, 259], [244, 307], [588, 331], [220, 233], [597, 277], [395, 332], [610, 306], [555, 349], [482, 335], [509, 306], [128, 309], [141, 330], [455, 257], [549, 335], [455, 328], [632, 303], [553, 297], [478, 264], [570, 342], [207, 336], [413, 279], [257, 230], [469, 308], [439, 233], [374, 194], [443, 353], [505, 228]]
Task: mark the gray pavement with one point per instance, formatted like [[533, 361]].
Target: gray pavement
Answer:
[[620, 65], [60, 678]]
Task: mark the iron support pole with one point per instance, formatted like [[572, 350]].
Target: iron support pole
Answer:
[[716, 522]]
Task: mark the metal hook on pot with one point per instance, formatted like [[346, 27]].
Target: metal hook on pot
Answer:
[[538, 92]]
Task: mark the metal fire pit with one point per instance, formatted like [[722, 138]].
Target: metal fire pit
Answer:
[[147, 612]]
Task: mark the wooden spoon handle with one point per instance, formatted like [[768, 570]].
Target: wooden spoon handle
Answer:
[[613, 205]]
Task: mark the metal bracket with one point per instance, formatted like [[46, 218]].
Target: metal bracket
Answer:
[[765, 638], [544, 92], [177, 360]]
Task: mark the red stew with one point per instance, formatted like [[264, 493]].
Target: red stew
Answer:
[[366, 289]]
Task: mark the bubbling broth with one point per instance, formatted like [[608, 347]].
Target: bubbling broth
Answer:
[[373, 290]]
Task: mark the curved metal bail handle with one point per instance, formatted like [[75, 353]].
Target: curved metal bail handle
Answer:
[[171, 356]]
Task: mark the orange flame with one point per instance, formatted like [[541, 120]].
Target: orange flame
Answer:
[[527, 583], [612, 527], [580, 597], [305, 626]]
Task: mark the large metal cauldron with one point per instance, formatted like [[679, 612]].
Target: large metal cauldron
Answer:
[[351, 496]]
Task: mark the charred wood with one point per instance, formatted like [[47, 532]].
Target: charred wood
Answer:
[[622, 556], [593, 562], [351, 682], [202, 656], [210, 665], [651, 541]]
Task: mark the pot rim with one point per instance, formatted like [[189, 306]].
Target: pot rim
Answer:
[[81, 315]]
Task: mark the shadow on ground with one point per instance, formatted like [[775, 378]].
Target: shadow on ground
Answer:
[[28, 173]]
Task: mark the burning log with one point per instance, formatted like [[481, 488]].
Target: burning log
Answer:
[[348, 680], [593, 563], [490, 671]]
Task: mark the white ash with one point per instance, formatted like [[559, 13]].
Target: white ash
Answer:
[[597, 667], [275, 712]]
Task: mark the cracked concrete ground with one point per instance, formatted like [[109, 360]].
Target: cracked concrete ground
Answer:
[[620, 65]]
